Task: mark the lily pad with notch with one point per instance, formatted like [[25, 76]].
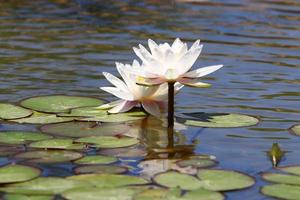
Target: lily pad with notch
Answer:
[[59, 103], [42, 118], [57, 143], [218, 120], [84, 129], [224, 180], [9, 111], [109, 141]]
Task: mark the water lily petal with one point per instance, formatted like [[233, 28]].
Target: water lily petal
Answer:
[[193, 83], [118, 93], [142, 53], [123, 107], [152, 108], [115, 81], [109, 105], [202, 71], [152, 45], [187, 61]]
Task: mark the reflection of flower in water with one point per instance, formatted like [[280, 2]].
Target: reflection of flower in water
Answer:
[[155, 166]]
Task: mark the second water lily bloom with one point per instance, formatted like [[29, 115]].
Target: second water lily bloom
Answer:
[[171, 63], [152, 99]]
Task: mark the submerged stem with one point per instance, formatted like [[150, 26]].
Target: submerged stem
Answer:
[[171, 104]]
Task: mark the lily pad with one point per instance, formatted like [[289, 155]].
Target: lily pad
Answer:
[[224, 180], [109, 141], [17, 173], [218, 120], [197, 163], [49, 156], [27, 197], [84, 112], [100, 169], [295, 169], [282, 178], [21, 137], [124, 152], [109, 180], [57, 143], [173, 179], [117, 118], [158, 194], [96, 159], [44, 186], [9, 111], [84, 129], [100, 194], [282, 191], [59, 103], [42, 118]]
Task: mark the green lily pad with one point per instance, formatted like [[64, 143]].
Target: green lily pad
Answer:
[[43, 186], [21, 137], [100, 194], [124, 152], [9, 111], [173, 179], [84, 112], [203, 194], [282, 178], [219, 120], [27, 197], [17, 173], [224, 180], [96, 159], [84, 129], [175, 194], [49, 156], [59, 103], [117, 118], [109, 141], [100, 169], [282, 191], [109, 180], [295, 169], [42, 118], [197, 163], [158, 194], [57, 143]]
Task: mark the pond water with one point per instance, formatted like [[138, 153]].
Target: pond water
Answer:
[[63, 46]]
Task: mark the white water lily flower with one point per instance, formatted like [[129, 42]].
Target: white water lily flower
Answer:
[[152, 99], [165, 63]]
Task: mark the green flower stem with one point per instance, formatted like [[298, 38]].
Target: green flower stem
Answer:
[[171, 104]]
